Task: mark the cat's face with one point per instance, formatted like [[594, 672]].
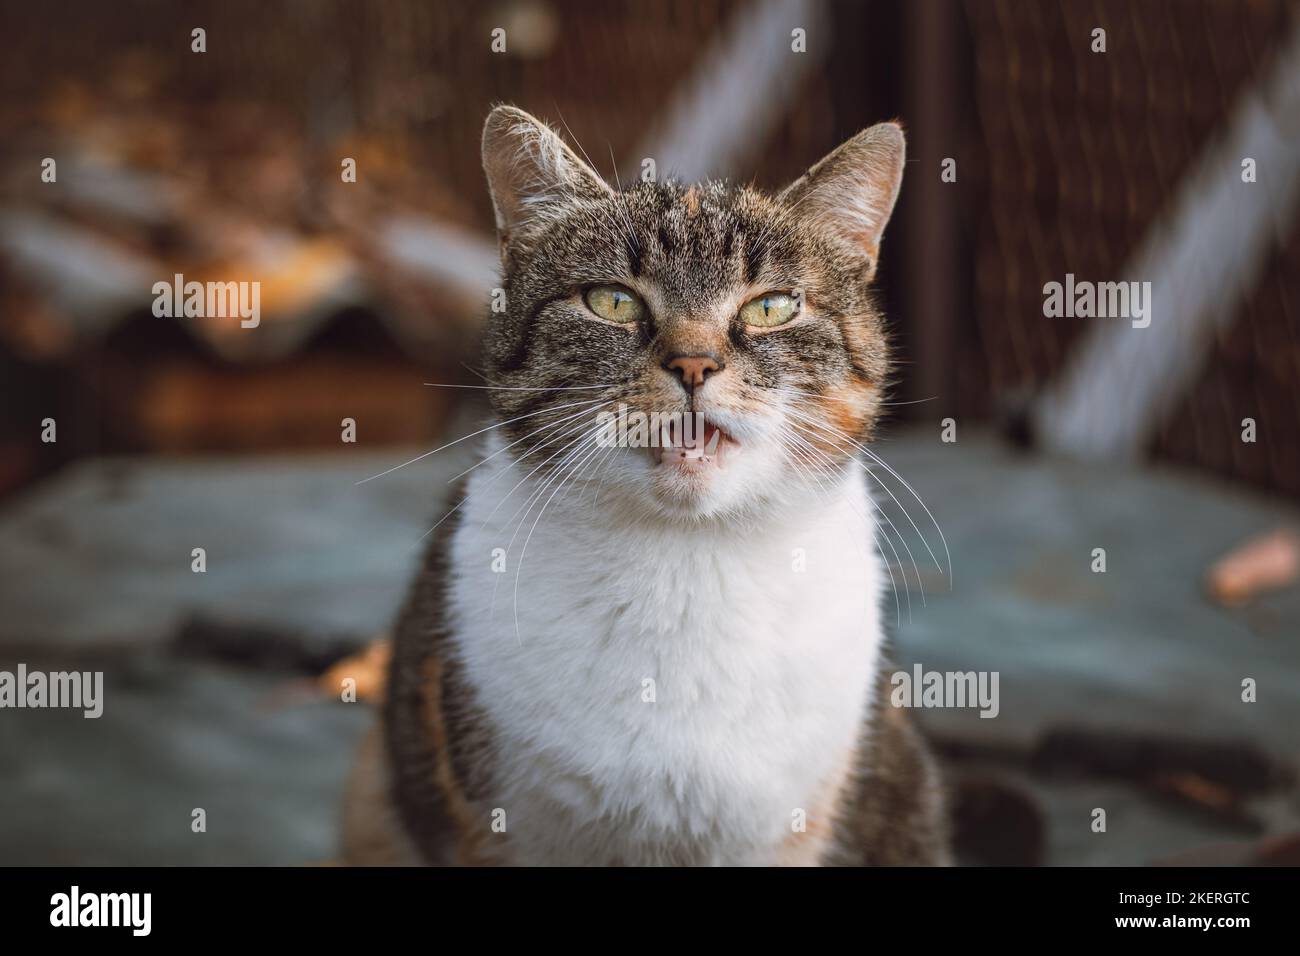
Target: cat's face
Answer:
[[742, 321]]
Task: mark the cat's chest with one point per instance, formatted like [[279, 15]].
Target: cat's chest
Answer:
[[655, 696]]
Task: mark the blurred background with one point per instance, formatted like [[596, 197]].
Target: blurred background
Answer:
[[1034, 441]]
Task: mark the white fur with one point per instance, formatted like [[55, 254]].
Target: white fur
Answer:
[[762, 674]]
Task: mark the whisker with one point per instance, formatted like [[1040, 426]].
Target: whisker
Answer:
[[523, 552], [572, 453], [893, 584], [915, 568], [630, 231], [831, 429], [529, 503], [533, 472], [491, 481], [947, 554], [526, 388], [475, 372], [580, 412], [605, 458], [626, 225], [817, 453], [489, 428], [530, 500]]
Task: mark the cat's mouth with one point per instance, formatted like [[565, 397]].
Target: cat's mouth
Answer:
[[706, 447]]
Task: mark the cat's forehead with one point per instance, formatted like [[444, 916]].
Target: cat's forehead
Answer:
[[697, 241], [710, 208]]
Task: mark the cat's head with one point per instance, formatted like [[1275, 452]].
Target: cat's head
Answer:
[[747, 313]]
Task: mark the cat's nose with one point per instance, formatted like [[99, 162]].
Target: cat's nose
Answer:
[[692, 370]]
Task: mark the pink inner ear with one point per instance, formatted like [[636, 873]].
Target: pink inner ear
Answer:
[[863, 238], [854, 229]]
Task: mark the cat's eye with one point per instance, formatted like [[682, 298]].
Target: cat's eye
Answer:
[[769, 310], [614, 303]]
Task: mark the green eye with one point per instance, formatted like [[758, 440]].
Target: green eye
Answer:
[[614, 303], [772, 309]]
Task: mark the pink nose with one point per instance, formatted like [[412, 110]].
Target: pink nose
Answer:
[[692, 370]]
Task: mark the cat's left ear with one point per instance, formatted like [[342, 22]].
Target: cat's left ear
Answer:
[[850, 193], [531, 172]]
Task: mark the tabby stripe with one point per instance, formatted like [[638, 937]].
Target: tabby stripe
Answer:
[[519, 354], [633, 256], [665, 240]]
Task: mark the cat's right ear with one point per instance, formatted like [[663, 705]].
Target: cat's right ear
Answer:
[[532, 174]]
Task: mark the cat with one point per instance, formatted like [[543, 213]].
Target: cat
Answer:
[[661, 656]]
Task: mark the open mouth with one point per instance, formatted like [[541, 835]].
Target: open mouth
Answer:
[[701, 447]]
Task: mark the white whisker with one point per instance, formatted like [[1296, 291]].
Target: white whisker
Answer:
[[815, 423], [519, 566], [534, 471], [580, 412], [489, 428], [915, 568], [491, 481], [893, 584], [526, 388]]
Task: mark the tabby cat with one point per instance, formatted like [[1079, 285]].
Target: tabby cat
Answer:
[[660, 655]]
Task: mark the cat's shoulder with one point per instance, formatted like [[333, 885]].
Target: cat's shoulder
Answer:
[[893, 811]]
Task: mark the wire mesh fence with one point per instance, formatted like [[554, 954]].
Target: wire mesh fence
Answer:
[[1082, 152]]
